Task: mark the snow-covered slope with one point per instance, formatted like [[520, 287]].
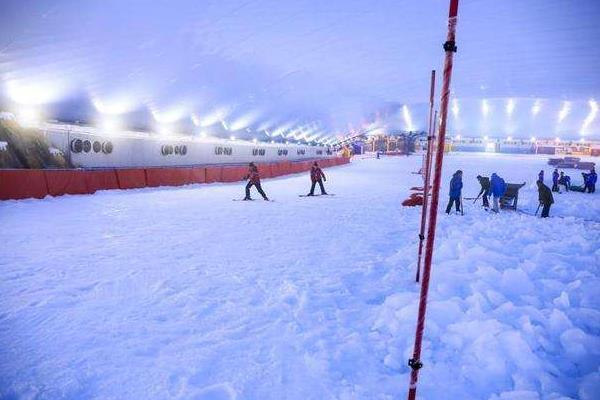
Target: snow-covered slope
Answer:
[[181, 293]]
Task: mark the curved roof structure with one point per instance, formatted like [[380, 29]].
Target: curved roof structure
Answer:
[[305, 69]]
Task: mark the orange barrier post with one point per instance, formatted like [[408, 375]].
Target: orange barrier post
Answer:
[[67, 181], [131, 178], [214, 174], [101, 180], [168, 176], [18, 184], [233, 174], [198, 175]]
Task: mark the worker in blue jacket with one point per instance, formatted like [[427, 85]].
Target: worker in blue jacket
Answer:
[[541, 176], [455, 191], [555, 176], [497, 187], [565, 180], [590, 181]]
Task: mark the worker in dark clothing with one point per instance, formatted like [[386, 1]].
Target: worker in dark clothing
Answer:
[[317, 176], [541, 176], [582, 188], [545, 198], [484, 181], [254, 180], [590, 181], [555, 176], [565, 180], [455, 191]]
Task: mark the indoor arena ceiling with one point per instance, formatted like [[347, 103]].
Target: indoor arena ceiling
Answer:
[[303, 69]]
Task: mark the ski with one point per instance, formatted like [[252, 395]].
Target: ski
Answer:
[[316, 195], [272, 201]]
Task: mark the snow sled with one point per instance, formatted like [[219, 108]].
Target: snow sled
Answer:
[[586, 165], [510, 198], [555, 161], [413, 201], [575, 188], [570, 162]]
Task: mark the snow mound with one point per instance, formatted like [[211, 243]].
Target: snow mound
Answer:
[[181, 293]]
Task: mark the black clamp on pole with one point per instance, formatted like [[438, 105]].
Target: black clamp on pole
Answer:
[[450, 45], [415, 364], [421, 237]]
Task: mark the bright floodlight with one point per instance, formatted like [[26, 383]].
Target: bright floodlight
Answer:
[[254, 140], [533, 139], [564, 111], [33, 93], [457, 137], [510, 107], [407, 117], [113, 107], [195, 120], [215, 116], [535, 109], [485, 107], [28, 117], [168, 116], [455, 108], [485, 138], [232, 137], [244, 121], [557, 140], [509, 138], [110, 125], [165, 130], [590, 117]]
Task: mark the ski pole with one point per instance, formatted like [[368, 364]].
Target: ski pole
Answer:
[[427, 176], [415, 362], [538, 209], [477, 198], [462, 208]]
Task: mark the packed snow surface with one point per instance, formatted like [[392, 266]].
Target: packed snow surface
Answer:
[[181, 293]]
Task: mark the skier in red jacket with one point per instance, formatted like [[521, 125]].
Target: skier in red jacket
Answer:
[[254, 180], [317, 176]]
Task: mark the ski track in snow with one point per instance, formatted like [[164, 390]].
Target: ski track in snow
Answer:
[[180, 293]]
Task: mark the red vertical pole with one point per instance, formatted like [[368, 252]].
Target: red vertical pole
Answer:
[[427, 176], [450, 48]]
